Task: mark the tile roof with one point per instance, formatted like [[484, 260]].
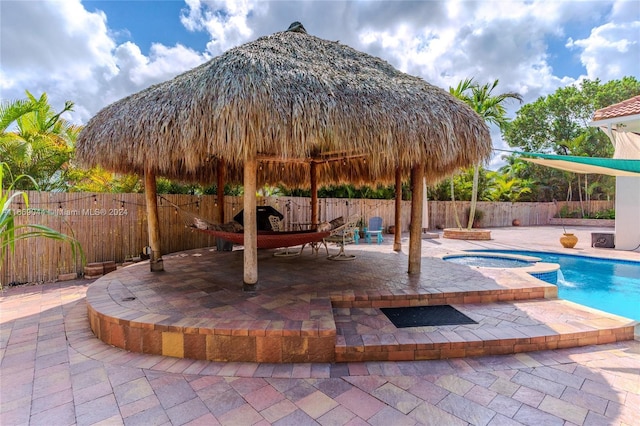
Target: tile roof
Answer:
[[621, 109]]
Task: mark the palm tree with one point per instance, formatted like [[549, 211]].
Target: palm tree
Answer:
[[491, 108], [506, 188], [97, 179], [36, 141]]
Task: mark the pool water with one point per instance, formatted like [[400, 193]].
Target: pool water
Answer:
[[609, 285], [488, 261]]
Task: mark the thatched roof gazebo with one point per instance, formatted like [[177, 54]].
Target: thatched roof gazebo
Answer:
[[287, 108]]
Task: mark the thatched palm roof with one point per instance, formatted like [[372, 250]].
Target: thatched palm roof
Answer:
[[291, 98]]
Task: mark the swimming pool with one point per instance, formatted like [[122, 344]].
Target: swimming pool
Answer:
[[488, 261], [610, 285]]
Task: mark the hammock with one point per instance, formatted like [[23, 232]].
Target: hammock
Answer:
[[265, 239], [271, 239], [233, 232], [279, 239]]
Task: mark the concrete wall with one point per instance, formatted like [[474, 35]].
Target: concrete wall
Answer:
[[627, 213]]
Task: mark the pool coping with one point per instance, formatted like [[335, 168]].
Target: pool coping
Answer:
[[535, 270]]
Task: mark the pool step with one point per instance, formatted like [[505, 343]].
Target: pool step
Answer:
[[366, 334], [531, 289]]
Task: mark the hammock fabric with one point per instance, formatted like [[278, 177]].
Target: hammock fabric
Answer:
[[271, 239], [266, 239]]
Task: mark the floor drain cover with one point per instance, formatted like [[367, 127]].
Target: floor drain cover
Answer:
[[422, 316]]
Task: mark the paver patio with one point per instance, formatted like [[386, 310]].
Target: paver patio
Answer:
[[54, 371]]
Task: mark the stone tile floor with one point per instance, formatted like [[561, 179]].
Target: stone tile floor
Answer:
[[53, 371]]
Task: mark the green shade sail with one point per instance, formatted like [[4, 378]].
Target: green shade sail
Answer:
[[597, 165]]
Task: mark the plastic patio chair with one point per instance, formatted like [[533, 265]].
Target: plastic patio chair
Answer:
[[374, 229]]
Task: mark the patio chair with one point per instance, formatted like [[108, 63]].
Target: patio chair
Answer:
[[314, 239], [342, 236], [374, 229], [276, 223]]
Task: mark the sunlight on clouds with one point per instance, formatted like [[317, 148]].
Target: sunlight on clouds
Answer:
[[137, 71], [191, 17], [6, 82], [410, 49], [470, 43], [609, 49], [165, 63], [74, 55], [224, 20], [80, 25], [543, 13], [67, 42], [455, 8]]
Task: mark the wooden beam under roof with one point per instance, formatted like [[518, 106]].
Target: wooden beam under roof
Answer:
[[317, 159]]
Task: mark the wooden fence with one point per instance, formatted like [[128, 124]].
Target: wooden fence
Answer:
[[113, 227]]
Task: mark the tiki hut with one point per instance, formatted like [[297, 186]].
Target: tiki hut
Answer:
[[287, 108]]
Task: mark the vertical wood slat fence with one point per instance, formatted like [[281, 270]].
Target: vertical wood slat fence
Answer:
[[113, 227]]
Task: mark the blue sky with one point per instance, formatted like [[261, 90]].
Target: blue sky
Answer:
[[96, 52], [145, 22]]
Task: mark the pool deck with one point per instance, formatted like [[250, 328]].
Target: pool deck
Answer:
[[309, 309], [52, 364]]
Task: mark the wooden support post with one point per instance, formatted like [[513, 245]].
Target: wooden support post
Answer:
[[425, 208], [397, 236], [314, 196], [250, 224], [153, 223], [222, 168], [415, 230]]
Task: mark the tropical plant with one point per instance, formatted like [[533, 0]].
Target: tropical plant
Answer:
[[10, 232], [37, 142], [98, 179], [505, 188], [559, 124], [478, 215], [491, 108], [462, 186]]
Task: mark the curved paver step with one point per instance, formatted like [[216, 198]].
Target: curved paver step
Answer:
[[366, 334]]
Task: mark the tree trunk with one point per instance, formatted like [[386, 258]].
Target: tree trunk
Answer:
[[474, 197], [250, 224], [580, 197], [415, 230], [153, 223], [397, 220], [453, 203]]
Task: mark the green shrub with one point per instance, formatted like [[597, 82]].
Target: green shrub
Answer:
[[604, 214]]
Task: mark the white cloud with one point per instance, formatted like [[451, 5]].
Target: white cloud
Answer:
[[611, 51], [224, 20], [45, 42], [59, 47], [69, 53], [162, 63]]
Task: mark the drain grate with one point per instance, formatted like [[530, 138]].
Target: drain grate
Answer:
[[422, 316]]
